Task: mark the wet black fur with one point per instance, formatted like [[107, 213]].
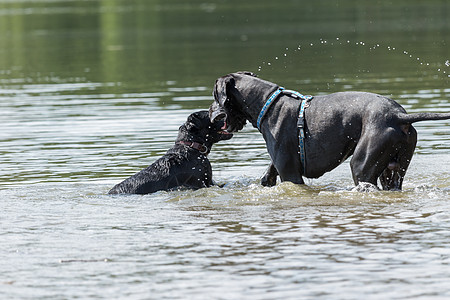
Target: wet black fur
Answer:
[[181, 166], [375, 130]]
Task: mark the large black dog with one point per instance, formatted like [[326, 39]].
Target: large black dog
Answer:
[[376, 130], [185, 165]]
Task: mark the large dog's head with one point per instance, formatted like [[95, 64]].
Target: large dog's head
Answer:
[[199, 128], [227, 101]]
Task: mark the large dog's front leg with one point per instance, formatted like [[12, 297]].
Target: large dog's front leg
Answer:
[[270, 178]]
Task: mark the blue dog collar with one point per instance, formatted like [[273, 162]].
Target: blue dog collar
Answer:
[[267, 105], [300, 122]]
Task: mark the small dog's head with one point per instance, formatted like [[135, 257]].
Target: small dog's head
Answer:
[[225, 107], [199, 128]]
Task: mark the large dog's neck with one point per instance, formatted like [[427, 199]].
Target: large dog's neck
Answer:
[[252, 95]]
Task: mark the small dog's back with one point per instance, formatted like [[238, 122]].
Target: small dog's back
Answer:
[[185, 165], [178, 168]]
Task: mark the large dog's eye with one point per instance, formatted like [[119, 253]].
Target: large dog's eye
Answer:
[[248, 73]]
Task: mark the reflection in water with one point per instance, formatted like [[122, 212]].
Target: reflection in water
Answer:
[[294, 248]]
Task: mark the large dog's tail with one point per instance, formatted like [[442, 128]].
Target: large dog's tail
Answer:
[[417, 117]]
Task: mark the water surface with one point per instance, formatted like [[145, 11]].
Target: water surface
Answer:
[[93, 91]]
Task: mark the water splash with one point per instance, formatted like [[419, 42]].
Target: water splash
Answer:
[[371, 47]]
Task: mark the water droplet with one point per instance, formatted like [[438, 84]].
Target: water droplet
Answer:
[[447, 63], [276, 57]]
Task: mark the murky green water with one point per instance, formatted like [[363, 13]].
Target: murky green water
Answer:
[[93, 91]]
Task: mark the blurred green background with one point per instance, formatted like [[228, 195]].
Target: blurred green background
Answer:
[[141, 45]]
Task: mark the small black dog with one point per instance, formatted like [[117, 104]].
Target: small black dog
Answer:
[[184, 165]]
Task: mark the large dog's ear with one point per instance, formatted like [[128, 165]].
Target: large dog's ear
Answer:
[[221, 93], [222, 87]]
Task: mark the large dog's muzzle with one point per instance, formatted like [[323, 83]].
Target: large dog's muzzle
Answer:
[[216, 113]]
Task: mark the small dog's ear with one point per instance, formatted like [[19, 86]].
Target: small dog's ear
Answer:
[[193, 122], [221, 88], [190, 127]]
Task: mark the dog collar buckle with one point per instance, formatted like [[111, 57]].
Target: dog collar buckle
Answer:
[[194, 145]]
